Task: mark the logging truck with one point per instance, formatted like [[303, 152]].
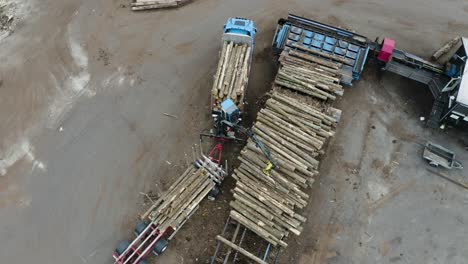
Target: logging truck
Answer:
[[232, 73]]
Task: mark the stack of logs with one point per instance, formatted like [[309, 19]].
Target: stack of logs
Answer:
[[309, 75], [139, 5], [231, 76], [183, 197], [295, 133]]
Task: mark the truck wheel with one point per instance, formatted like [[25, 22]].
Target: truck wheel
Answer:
[[140, 227], [122, 247], [213, 193], [160, 246], [433, 164]]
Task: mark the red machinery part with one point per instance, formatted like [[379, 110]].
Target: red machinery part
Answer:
[[385, 54], [216, 153]]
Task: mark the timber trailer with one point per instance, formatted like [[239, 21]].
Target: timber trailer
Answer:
[[446, 78]]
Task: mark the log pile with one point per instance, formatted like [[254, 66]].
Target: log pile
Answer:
[[183, 197], [139, 5], [295, 133], [232, 73], [309, 75]]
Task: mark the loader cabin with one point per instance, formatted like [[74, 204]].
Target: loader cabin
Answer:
[[458, 96]]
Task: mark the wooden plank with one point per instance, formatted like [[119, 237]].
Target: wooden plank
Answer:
[[240, 250]]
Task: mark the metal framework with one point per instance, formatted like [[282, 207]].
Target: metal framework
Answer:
[[227, 250]]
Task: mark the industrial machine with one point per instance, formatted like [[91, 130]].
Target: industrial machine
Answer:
[[446, 80], [324, 41]]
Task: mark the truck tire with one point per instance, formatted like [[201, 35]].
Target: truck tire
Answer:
[[122, 247], [140, 227], [160, 246]]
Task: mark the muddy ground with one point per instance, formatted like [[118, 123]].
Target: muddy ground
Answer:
[[83, 88]]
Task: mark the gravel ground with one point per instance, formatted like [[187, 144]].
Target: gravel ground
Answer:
[[82, 91]]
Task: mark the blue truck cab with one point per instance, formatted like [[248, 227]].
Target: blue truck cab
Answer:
[[240, 30]]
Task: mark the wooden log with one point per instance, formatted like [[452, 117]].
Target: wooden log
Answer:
[[284, 152], [291, 224], [294, 130], [303, 107], [245, 73], [256, 229], [155, 6], [243, 180], [187, 210], [230, 69], [312, 73], [446, 48], [195, 180], [299, 89], [257, 172], [275, 230], [315, 59], [218, 69], [314, 78], [261, 210], [223, 71], [240, 250], [263, 204], [315, 131], [286, 146], [293, 135], [263, 197], [328, 56], [191, 204], [289, 185], [293, 112], [294, 62], [279, 190], [277, 222], [286, 195], [251, 146], [289, 118], [187, 172], [290, 198], [290, 173], [239, 70], [303, 85]]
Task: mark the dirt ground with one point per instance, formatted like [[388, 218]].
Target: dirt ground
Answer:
[[83, 88]]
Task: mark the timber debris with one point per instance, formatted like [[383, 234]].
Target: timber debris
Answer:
[[140, 5]]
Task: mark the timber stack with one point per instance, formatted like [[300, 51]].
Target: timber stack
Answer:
[[295, 133], [231, 77], [140, 5], [309, 75], [184, 196], [294, 125]]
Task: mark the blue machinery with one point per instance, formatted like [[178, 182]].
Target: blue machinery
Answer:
[[446, 82], [324, 39]]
